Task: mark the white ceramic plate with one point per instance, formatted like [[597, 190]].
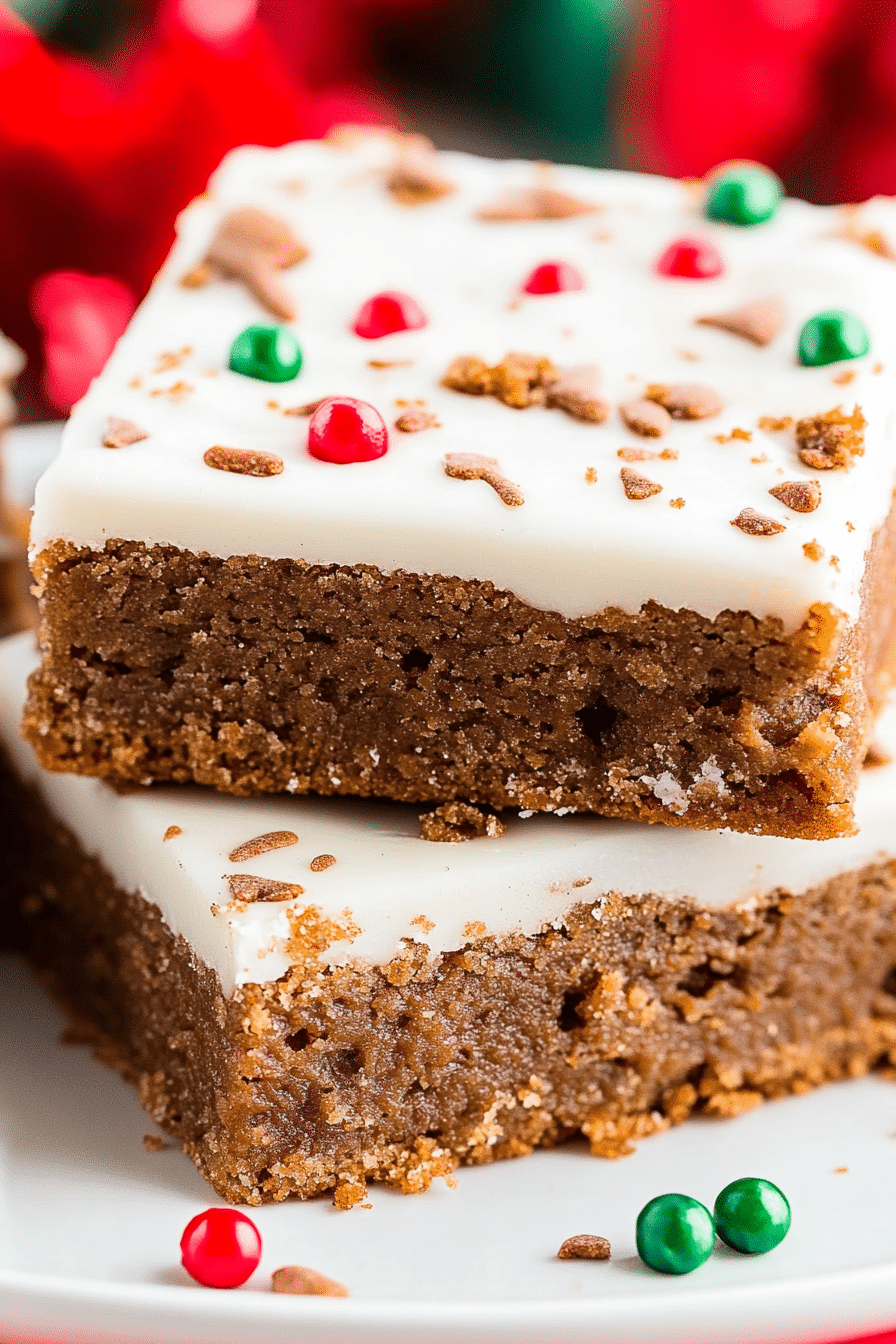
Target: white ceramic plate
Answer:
[[90, 1224]]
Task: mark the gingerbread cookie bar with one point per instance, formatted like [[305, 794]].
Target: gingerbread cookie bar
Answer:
[[310, 996], [529, 488]]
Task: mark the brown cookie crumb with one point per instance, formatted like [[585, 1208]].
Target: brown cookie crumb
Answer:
[[759, 459], [389, 363], [414, 178], [307, 408], [812, 550], [262, 844], [454, 822], [841, 1171], [154, 1144], [745, 435], [584, 1247], [122, 433], [171, 832], [475, 467], [830, 441], [845, 377], [676, 503], [321, 863], [575, 392], [834, 563], [302, 1282], [250, 245], [243, 461], [411, 422], [538, 202], [773, 424], [756, 524], [645, 417], [421, 922], [878, 368], [876, 755], [686, 401], [169, 359], [758, 322], [178, 391], [245, 887], [637, 486], [801, 496], [591, 476]]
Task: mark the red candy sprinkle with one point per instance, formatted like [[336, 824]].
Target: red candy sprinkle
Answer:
[[220, 1248], [553, 277], [691, 259], [343, 430], [387, 313]]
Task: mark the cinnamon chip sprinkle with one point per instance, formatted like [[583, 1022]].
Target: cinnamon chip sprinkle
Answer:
[[773, 424], [756, 524], [262, 844], [302, 1282], [537, 202], [829, 442], [584, 1247], [308, 408], [171, 832], [321, 863], [801, 496], [122, 433], [244, 887], [637, 486], [475, 467], [411, 422], [686, 401], [758, 322], [251, 246], [647, 418], [646, 455], [244, 461]]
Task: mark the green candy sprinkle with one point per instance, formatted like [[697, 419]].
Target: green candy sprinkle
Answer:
[[831, 336], [745, 195], [266, 351], [675, 1234], [752, 1215]]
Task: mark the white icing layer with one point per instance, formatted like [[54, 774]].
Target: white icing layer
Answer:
[[386, 878], [572, 547]]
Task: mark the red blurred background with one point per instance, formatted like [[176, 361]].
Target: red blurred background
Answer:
[[113, 115]]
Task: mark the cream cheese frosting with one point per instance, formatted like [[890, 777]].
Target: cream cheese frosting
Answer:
[[578, 544], [387, 884]]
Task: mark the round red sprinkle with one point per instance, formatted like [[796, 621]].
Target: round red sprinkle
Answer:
[[386, 313], [553, 277], [691, 259], [220, 1248], [343, 430]]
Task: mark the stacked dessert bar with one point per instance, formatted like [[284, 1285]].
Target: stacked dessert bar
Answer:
[[431, 499]]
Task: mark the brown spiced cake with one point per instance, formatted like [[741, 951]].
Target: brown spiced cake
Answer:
[[310, 996], [563, 511]]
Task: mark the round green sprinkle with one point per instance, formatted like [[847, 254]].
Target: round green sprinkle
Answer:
[[266, 351], [831, 336], [675, 1234], [747, 194], [752, 1215]]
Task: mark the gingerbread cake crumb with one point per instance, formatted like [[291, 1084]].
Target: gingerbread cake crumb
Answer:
[[812, 550], [774, 424], [878, 368], [576, 393], [645, 417], [745, 435], [389, 363], [584, 1247], [801, 496], [457, 821], [519, 380], [245, 887], [121, 433], [686, 401], [178, 391], [840, 1171], [414, 178], [171, 832], [847, 376], [676, 503], [756, 524], [153, 1143], [169, 359], [475, 467], [262, 844], [243, 461], [830, 441], [834, 563], [411, 422], [421, 922], [538, 202], [637, 486], [251, 246], [321, 863], [591, 476], [302, 1282], [759, 459], [758, 322]]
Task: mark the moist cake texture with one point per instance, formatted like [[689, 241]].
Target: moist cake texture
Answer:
[[669, 597], [404, 1007]]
